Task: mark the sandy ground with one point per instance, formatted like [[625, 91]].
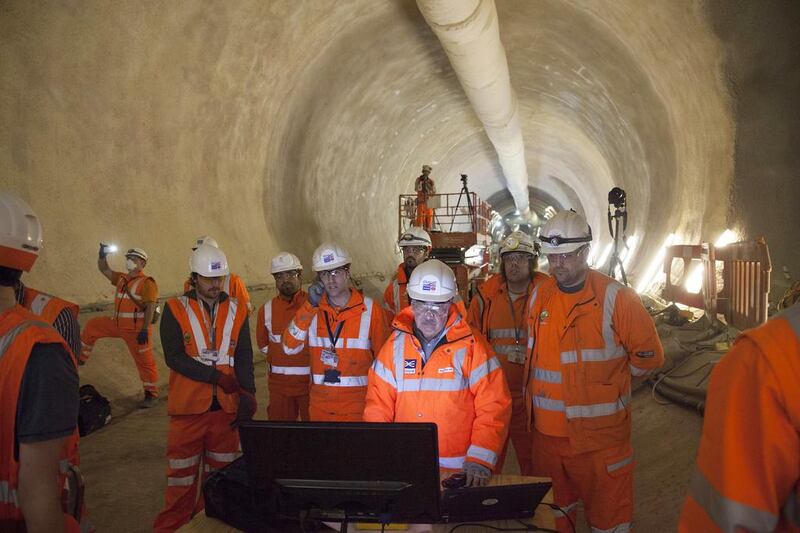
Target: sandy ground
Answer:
[[125, 468]]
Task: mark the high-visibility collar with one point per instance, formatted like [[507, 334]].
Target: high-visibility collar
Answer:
[[353, 307]]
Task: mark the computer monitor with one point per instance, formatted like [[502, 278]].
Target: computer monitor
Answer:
[[344, 471]]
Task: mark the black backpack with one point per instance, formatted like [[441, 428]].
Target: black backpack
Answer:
[[230, 497], [94, 411]]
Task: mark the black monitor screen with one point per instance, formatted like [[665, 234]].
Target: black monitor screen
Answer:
[[371, 471]]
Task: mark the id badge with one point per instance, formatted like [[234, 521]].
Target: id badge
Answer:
[[209, 356], [517, 355], [329, 358]]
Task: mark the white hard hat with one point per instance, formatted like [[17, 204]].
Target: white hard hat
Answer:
[[136, 252], [209, 261], [432, 281], [20, 233], [205, 239], [285, 261], [518, 241], [328, 256], [565, 232], [415, 236]]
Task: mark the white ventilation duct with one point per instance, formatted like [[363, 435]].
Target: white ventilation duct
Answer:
[[470, 36]]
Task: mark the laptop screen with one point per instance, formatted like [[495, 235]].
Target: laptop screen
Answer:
[[371, 471]]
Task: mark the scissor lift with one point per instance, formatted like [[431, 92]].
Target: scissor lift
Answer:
[[460, 225]]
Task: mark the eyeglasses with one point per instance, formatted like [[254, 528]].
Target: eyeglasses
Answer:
[[414, 250], [287, 274], [335, 273], [561, 258], [516, 257], [435, 308]]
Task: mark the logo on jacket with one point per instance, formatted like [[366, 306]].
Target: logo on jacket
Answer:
[[327, 258], [410, 366], [187, 338], [544, 315], [446, 370], [429, 285]]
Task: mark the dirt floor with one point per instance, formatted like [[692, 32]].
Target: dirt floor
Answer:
[[125, 468]]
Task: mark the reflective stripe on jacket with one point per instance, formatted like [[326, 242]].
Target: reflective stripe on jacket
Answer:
[[583, 356], [363, 333], [20, 330], [461, 388], [127, 310], [273, 318], [490, 313], [748, 464], [190, 397], [395, 297]]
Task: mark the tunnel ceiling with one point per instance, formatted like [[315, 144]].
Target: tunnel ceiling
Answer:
[[276, 125]]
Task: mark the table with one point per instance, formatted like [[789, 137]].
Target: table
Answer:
[[543, 518]]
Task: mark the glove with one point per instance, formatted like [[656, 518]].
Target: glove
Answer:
[[315, 292], [102, 252], [227, 383], [247, 407], [141, 338], [477, 475]]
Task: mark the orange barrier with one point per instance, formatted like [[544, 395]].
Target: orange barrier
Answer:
[[743, 295]]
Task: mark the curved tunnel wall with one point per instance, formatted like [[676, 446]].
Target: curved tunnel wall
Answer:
[[276, 125]]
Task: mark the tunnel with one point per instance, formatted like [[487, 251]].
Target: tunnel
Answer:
[[278, 125]]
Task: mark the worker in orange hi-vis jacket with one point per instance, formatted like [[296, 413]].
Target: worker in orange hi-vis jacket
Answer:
[[287, 375], [343, 331], [499, 311], [134, 307], [748, 464], [206, 340], [435, 368], [416, 246], [425, 189], [38, 375], [589, 337], [232, 285]]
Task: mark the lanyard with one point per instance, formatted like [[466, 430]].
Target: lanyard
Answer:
[[211, 328], [517, 333], [333, 337]]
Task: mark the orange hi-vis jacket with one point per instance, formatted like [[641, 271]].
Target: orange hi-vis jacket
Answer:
[[190, 397], [233, 286], [490, 312], [46, 306], [584, 349], [273, 318], [748, 464], [461, 388], [364, 330], [395, 297], [128, 311], [20, 330]]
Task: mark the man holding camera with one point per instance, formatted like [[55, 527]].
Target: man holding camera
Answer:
[[435, 369], [134, 307], [343, 330]]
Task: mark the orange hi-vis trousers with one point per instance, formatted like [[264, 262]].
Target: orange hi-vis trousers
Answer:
[[288, 398], [196, 446], [105, 326], [602, 479]]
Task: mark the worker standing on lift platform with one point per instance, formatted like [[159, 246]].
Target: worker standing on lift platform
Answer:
[[425, 189], [499, 311]]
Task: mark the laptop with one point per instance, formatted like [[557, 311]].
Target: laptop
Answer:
[[501, 502]]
